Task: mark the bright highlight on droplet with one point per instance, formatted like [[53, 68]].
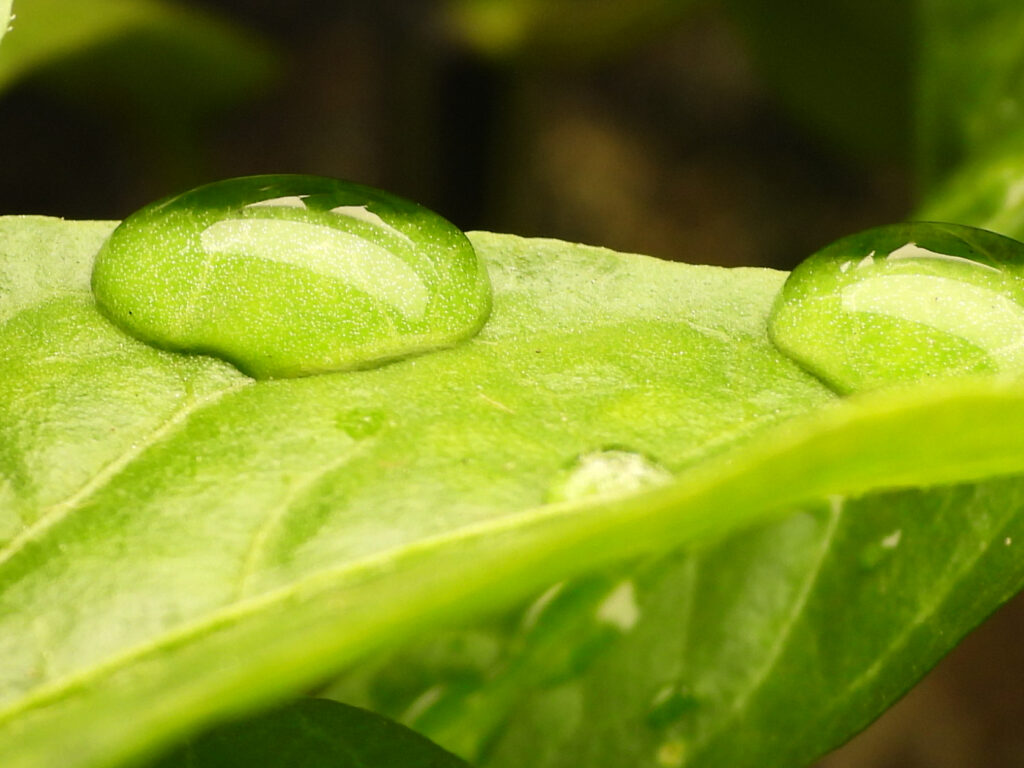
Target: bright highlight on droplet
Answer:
[[292, 275], [607, 473], [904, 303]]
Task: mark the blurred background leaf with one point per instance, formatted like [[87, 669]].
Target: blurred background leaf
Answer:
[[543, 32], [843, 70], [971, 94], [311, 733], [145, 73]]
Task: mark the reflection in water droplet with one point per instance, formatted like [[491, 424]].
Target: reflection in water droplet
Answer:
[[923, 300], [289, 201], [606, 473], [292, 275], [363, 213]]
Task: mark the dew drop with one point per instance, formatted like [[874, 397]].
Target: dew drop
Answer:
[[361, 423], [903, 303], [290, 275], [607, 472], [671, 753], [619, 608]]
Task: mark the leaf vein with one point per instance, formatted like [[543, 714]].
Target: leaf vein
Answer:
[[57, 512]]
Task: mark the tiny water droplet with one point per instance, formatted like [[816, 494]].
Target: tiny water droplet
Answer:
[[361, 423], [670, 705], [619, 608], [290, 275], [905, 302], [605, 473], [671, 753], [873, 554]]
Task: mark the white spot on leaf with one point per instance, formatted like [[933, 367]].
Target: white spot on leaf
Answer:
[[619, 608], [892, 540]]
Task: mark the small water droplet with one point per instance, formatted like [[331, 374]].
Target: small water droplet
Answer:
[[671, 753], [922, 300], [361, 423], [608, 472], [292, 275], [874, 553], [670, 705], [619, 609]]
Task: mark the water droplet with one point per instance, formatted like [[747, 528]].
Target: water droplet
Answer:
[[619, 609], [670, 705], [607, 472], [292, 275], [361, 423], [874, 553], [903, 303], [671, 753]]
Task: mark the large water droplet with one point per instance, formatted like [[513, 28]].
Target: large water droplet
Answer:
[[903, 303], [608, 472], [292, 275]]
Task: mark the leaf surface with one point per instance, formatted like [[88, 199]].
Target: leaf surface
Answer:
[[182, 544]]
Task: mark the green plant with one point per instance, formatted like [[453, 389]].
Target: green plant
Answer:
[[617, 527]]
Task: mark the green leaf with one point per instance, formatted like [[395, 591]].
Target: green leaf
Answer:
[[854, 600], [311, 733], [184, 544], [971, 114]]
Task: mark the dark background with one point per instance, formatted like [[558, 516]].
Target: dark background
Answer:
[[705, 132]]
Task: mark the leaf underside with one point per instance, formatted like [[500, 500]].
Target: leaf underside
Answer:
[[311, 733], [180, 544]]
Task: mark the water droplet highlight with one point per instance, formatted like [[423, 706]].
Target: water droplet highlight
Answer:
[[873, 554], [619, 609], [904, 303], [671, 753], [608, 472], [291, 275]]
